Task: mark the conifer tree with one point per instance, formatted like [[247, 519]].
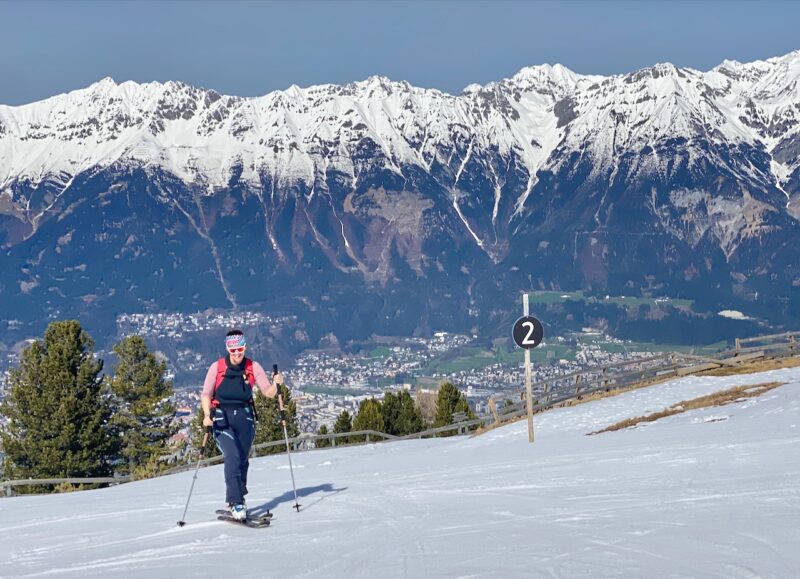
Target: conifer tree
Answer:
[[322, 442], [58, 409], [400, 414], [145, 415], [369, 417], [449, 401], [344, 423], [268, 426]]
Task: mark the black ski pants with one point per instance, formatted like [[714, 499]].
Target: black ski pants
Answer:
[[234, 431]]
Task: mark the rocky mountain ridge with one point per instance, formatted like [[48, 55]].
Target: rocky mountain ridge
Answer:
[[665, 180]]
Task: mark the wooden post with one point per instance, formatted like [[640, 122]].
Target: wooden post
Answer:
[[738, 345], [791, 344], [493, 408], [528, 393], [577, 384]]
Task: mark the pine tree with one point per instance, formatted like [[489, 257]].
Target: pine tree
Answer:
[[58, 409], [268, 426], [369, 417], [390, 409], [322, 442], [449, 401], [145, 415], [344, 423], [400, 414]]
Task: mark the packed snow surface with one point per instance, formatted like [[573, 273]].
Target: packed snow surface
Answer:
[[705, 493]]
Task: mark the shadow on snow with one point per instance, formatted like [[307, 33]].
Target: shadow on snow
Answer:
[[288, 497]]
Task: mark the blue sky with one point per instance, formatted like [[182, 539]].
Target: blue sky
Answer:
[[251, 48]]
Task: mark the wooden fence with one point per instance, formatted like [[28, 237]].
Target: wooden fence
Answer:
[[301, 443], [576, 385], [8, 485]]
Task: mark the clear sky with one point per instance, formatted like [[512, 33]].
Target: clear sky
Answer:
[[251, 48]]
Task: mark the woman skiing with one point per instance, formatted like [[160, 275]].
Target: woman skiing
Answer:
[[227, 401]]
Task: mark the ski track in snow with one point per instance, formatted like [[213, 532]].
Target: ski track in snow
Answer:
[[710, 492]]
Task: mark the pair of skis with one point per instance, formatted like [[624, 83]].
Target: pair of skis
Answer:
[[256, 522]]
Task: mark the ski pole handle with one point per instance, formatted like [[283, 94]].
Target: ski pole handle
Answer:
[[280, 397], [205, 440]]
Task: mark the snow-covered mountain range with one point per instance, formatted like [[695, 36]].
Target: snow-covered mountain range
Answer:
[[666, 178]]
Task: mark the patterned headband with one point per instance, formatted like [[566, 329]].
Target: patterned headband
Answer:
[[235, 342]]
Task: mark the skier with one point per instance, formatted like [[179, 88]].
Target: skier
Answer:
[[227, 402]]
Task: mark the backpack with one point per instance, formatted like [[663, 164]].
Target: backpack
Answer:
[[222, 367]]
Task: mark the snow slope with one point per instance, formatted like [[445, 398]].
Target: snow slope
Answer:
[[711, 493]]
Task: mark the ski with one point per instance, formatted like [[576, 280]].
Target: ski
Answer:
[[226, 512], [252, 523]]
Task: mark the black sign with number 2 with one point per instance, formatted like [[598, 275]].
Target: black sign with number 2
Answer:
[[528, 332]]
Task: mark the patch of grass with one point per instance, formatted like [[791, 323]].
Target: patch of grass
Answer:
[[548, 297], [716, 399], [333, 391], [380, 352], [755, 366], [551, 297]]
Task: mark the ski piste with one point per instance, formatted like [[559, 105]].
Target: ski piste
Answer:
[[252, 523]]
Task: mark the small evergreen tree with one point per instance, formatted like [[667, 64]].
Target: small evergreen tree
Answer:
[[449, 401], [268, 426], [344, 423], [390, 410], [369, 417], [400, 415], [58, 409], [145, 416], [322, 442]]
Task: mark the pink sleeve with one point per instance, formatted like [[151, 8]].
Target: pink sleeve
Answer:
[[208, 384], [264, 384]]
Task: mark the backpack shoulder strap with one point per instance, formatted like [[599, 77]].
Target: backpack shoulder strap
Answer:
[[221, 369], [248, 371]]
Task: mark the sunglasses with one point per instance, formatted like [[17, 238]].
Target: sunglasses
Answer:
[[236, 350]]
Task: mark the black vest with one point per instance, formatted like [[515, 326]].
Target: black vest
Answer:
[[234, 390]]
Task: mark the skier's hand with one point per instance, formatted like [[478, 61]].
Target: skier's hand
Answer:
[[277, 378], [207, 421]]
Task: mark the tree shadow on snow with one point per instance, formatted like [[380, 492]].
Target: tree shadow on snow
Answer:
[[288, 497]]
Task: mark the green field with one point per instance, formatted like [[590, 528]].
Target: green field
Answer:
[[551, 297], [615, 347], [334, 391], [380, 352], [473, 358]]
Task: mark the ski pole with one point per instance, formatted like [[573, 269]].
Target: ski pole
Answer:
[[286, 437], [182, 522]]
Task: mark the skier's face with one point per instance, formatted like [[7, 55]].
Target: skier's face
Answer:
[[237, 354]]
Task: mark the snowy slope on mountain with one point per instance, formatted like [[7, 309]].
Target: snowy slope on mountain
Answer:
[[709, 492]]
